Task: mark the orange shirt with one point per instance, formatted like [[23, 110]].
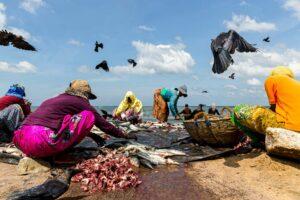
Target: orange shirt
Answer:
[[285, 93]]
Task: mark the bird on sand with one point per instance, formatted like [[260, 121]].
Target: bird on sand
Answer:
[[204, 91], [267, 39], [49, 190], [224, 45], [131, 61], [103, 65], [98, 45], [232, 76], [7, 38], [106, 114]]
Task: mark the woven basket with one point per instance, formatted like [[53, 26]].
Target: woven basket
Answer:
[[221, 132]]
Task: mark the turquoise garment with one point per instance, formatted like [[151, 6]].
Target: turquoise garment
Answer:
[[171, 97]]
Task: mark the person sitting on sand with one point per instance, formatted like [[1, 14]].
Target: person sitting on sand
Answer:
[[283, 92], [13, 110], [213, 110], [62, 122], [165, 99], [130, 109], [187, 112]]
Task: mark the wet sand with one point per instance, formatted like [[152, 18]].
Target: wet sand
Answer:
[[251, 176]]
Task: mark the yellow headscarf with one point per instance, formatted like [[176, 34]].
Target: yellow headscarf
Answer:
[[282, 70], [135, 104]]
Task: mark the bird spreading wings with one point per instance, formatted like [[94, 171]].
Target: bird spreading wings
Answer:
[[131, 61], [232, 76], [267, 39], [98, 45], [226, 44], [103, 65], [7, 38]]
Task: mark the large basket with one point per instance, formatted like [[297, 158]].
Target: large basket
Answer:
[[221, 132]]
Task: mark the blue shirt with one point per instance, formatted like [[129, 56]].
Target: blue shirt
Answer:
[[171, 97]]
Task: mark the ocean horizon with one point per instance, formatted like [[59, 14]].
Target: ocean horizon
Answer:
[[147, 110]]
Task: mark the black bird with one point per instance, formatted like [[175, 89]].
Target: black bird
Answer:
[[226, 44], [49, 190], [131, 61], [7, 38], [232, 76], [98, 45], [204, 91], [267, 39], [106, 114], [103, 65]]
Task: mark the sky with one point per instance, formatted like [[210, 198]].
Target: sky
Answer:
[[170, 40]]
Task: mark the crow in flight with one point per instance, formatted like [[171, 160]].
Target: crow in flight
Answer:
[[103, 65], [7, 38], [226, 44]]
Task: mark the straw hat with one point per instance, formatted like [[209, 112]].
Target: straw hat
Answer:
[[81, 88]]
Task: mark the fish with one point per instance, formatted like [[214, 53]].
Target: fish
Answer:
[[154, 156], [134, 161], [9, 158], [146, 163]]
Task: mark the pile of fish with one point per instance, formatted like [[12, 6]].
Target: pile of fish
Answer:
[[148, 156], [106, 173], [148, 126]]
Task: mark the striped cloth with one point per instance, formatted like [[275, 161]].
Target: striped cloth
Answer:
[[10, 119]]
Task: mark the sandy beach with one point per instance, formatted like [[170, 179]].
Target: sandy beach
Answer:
[[249, 176]]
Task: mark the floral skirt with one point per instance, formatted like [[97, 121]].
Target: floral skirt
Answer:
[[39, 141], [254, 120]]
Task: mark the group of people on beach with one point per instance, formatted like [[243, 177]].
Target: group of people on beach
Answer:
[[63, 121], [188, 114]]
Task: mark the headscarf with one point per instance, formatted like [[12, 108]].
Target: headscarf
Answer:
[[135, 104], [282, 70], [16, 90], [213, 106]]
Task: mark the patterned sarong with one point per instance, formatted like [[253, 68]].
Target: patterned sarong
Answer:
[[39, 141], [160, 107]]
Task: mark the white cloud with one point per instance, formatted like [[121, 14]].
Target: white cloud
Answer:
[[2, 16], [253, 82], [2, 7], [83, 69], [262, 62], [233, 87], [21, 67], [243, 3], [243, 23], [161, 58], [75, 42], [146, 28], [31, 6], [294, 6], [195, 77], [3, 24]]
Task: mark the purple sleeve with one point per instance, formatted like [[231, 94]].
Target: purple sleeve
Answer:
[[107, 127]]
